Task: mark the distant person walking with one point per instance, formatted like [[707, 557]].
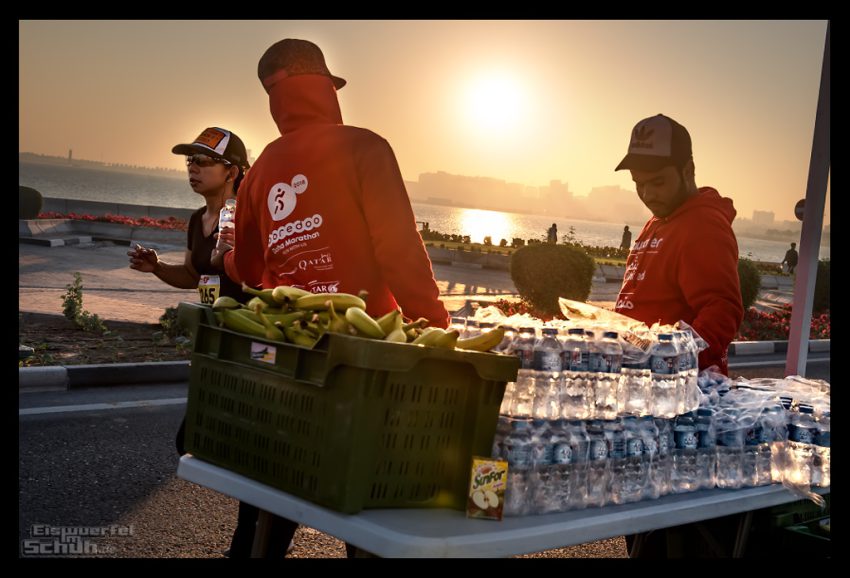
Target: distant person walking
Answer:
[[791, 258], [552, 234], [626, 243]]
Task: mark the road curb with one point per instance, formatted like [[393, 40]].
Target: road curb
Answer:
[[75, 376], [42, 377], [739, 348]]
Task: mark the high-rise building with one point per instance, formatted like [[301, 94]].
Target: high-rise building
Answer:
[[763, 218]]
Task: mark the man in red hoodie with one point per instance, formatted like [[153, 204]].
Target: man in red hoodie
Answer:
[[684, 264], [324, 207]]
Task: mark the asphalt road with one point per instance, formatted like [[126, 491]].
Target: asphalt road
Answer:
[[101, 462]]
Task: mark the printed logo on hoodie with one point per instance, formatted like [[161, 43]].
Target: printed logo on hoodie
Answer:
[[282, 197]]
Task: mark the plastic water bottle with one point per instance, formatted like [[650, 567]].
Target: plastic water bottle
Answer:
[[820, 460], [517, 452], [684, 474], [540, 482], [523, 394], [547, 373], [608, 365], [505, 345], [649, 432], [558, 494], [616, 438], [706, 448], [800, 449], [730, 447], [472, 329], [598, 473], [688, 394], [579, 441], [593, 362], [503, 430], [781, 416], [635, 462], [459, 324], [226, 218], [664, 362], [575, 390], [755, 464], [635, 389], [666, 445]]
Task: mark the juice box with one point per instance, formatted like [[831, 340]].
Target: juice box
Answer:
[[487, 488]]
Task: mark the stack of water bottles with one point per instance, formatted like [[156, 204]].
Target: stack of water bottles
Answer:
[[599, 415]]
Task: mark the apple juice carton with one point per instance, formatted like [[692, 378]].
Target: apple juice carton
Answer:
[[487, 488]]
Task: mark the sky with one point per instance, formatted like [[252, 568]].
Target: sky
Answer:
[[524, 101]]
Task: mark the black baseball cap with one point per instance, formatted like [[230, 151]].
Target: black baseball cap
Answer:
[[291, 57], [657, 142], [218, 143]]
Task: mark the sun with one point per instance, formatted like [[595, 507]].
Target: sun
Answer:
[[494, 104]]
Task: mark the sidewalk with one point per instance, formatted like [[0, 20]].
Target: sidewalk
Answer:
[[114, 291]]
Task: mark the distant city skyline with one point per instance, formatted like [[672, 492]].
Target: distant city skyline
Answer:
[[603, 203]]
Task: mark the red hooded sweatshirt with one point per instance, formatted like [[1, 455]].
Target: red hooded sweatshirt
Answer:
[[685, 267], [324, 208]]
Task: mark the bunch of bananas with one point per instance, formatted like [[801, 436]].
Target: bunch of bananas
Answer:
[[293, 315]]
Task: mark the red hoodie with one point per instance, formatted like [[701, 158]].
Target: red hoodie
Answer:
[[324, 208], [685, 267]]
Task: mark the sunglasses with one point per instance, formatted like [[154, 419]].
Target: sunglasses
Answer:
[[203, 160]]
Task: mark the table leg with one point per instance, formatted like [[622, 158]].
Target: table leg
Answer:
[[743, 534]]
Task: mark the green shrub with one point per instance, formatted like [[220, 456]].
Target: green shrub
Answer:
[[750, 279], [29, 203], [72, 308], [821, 299], [543, 272]]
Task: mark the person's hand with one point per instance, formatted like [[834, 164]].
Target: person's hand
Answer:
[[142, 259], [226, 239]]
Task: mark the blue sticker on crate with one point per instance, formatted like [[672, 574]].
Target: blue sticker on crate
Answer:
[[263, 352]]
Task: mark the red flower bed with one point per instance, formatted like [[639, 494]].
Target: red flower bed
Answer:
[[171, 223], [759, 326]]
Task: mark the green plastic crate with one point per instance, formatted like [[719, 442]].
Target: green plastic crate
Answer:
[[352, 423]]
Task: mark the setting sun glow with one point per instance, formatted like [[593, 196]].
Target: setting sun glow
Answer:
[[494, 104]]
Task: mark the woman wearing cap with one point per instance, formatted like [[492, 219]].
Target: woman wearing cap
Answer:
[[216, 161]]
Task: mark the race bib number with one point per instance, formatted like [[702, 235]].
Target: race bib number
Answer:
[[209, 288]]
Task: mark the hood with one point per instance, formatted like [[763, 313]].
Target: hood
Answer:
[[302, 100], [706, 198]]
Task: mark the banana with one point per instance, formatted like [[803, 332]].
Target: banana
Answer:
[[286, 294], [447, 340], [318, 302], [241, 324], [254, 301], [264, 294], [285, 318], [219, 318], [336, 324], [225, 302], [364, 324], [419, 323], [388, 321], [297, 337], [397, 336], [429, 336], [483, 342], [272, 332]]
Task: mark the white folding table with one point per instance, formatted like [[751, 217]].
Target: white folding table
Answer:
[[434, 533]]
